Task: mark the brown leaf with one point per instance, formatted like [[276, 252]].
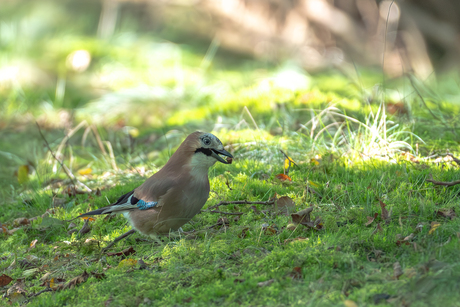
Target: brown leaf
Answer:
[[302, 217], [385, 215], [377, 229], [296, 273], [397, 271], [5, 280], [397, 107], [285, 204], [446, 213], [99, 276], [371, 219], [243, 233], [283, 177], [409, 237], [126, 252], [74, 281], [22, 221], [270, 230]]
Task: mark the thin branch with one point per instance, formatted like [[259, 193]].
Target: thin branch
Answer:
[[66, 138], [227, 213], [126, 234], [241, 202], [40, 292], [66, 170], [444, 183]]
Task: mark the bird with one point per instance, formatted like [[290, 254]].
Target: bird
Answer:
[[176, 193]]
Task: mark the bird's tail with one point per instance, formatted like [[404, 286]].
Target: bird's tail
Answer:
[[99, 211]]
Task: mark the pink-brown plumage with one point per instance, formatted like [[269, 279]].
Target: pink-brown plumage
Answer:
[[181, 187]]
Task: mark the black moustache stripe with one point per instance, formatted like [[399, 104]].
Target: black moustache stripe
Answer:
[[206, 151]]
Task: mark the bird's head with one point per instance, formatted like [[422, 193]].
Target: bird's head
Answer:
[[205, 149]]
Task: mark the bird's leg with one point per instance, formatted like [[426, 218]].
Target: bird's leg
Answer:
[[126, 234]]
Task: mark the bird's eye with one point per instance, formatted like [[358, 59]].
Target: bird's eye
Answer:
[[207, 141]]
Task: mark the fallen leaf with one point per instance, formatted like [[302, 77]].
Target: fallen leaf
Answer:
[[397, 107], [314, 184], [5, 280], [296, 273], [288, 163], [371, 219], [243, 233], [302, 217], [350, 303], [56, 283], [265, 283], [75, 281], [22, 221], [434, 226], [100, 276], [410, 272], [127, 263], [23, 174], [397, 271], [269, 230], [377, 229], [385, 215], [32, 244], [409, 237], [283, 177], [126, 252], [285, 204], [45, 277], [85, 171], [16, 293], [446, 213], [298, 239]]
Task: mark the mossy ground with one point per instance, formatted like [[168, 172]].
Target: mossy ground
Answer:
[[231, 264]]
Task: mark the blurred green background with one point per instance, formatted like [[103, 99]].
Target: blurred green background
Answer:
[[126, 81]]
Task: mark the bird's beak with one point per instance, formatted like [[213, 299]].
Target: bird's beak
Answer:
[[216, 154]]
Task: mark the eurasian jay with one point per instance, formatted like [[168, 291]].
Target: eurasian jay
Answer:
[[177, 192]]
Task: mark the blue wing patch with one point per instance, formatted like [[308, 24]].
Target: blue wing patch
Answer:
[[142, 205]]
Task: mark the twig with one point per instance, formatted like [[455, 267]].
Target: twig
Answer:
[[241, 202], [66, 170], [40, 292], [126, 234], [98, 139], [456, 160], [66, 138], [228, 213], [444, 183]]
